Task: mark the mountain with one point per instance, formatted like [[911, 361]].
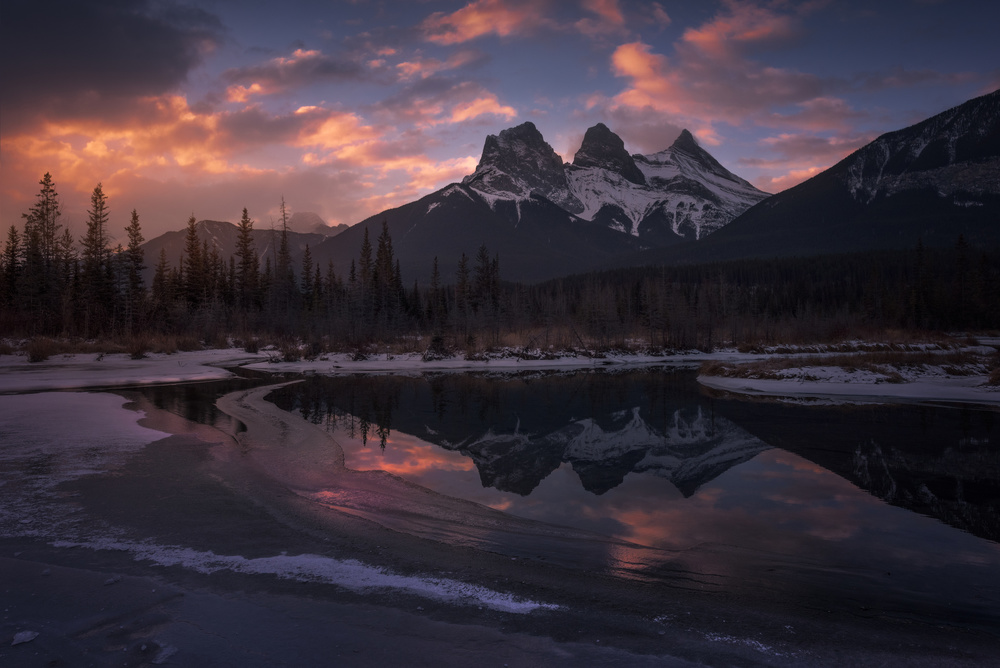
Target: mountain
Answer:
[[663, 198], [222, 236], [545, 218], [681, 193], [534, 238], [311, 223], [931, 181]]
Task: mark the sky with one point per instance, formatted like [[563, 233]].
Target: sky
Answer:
[[348, 108]]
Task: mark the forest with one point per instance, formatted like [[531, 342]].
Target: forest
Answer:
[[55, 285]]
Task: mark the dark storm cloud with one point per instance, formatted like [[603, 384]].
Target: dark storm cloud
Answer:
[[301, 68], [63, 58]]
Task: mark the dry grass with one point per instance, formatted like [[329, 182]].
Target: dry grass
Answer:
[[884, 362]]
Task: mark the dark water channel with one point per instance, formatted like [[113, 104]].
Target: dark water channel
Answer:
[[895, 502], [632, 499]]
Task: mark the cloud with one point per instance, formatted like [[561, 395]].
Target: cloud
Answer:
[[482, 18], [608, 19], [797, 157], [435, 100], [302, 68], [65, 59], [817, 114], [421, 68]]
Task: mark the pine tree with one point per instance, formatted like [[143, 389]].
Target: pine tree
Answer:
[[135, 289], [11, 267], [307, 278], [193, 265], [162, 285], [249, 263], [98, 273], [37, 291], [284, 290]]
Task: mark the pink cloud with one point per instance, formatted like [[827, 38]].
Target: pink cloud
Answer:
[[421, 68], [817, 114], [481, 18], [608, 19], [711, 77]]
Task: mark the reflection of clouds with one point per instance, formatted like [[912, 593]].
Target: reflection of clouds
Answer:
[[408, 456]]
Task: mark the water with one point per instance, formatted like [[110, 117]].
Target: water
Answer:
[[901, 501], [617, 491]]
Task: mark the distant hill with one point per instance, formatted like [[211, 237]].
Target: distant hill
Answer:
[[310, 223], [222, 235]]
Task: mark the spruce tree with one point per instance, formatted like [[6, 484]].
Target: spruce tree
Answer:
[[98, 273], [135, 289], [193, 265], [249, 263]]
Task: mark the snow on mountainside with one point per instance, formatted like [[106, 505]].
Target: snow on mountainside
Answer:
[[692, 451], [955, 151], [933, 181], [681, 192], [517, 163]]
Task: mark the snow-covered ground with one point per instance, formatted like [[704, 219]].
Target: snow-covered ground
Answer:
[[74, 371], [901, 382], [898, 383]]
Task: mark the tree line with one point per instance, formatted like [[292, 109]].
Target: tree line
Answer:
[[52, 284]]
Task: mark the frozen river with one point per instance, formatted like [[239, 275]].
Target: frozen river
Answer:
[[616, 517]]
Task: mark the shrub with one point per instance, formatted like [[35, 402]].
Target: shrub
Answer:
[[252, 346], [138, 346], [40, 349], [188, 343]]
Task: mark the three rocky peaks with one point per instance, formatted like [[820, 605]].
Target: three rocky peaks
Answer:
[[679, 193]]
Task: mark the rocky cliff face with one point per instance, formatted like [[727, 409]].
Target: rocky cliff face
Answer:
[[679, 193], [518, 163]]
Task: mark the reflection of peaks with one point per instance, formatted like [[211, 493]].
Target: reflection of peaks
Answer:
[[689, 452]]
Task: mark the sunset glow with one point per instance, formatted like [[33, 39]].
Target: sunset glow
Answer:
[[345, 109]]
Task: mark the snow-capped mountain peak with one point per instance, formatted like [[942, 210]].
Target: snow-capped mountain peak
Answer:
[[604, 149], [518, 163], [680, 192]]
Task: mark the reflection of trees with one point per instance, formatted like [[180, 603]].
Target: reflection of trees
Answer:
[[196, 401], [362, 407]]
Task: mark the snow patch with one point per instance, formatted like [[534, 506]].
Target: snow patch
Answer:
[[347, 573]]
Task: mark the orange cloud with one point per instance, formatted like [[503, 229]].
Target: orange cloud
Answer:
[[237, 93], [481, 18], [727, 35], [331, 130], [610, 19], [775, 184], [487, 104], [711, 78], [424, 67]]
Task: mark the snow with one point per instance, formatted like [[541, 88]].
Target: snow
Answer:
[[94, 370], [347, 573], [836, 383], [72, 433]]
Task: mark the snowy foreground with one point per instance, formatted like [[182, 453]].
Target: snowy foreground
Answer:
[[919, 383]]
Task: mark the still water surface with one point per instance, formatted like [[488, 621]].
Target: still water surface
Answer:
[[901, 499]]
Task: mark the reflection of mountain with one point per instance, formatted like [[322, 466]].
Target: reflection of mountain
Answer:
[[962, 489], [692, 451], [519, 428], [943, 463]]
